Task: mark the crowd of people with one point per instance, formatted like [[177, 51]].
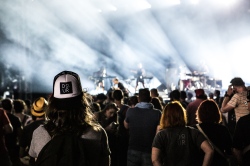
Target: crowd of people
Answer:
[[121, 130]]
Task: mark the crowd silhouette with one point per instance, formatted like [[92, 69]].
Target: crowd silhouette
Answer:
[[137, 130]]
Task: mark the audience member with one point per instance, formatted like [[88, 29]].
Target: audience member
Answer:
[[236, 98], [28, 106], [132, 101], [241, 140], [19, 108], [109, 98], [69, 112], [183, 97], [100, 99], [211, 96], [5, 128], [38, 111], [217, 97], [176, 144], [28, 109], [228, 119], [96, 107], [175, 95], [108, 119], [193, 106], [189, 97], [142, 121], [154, 92], [123, 135], [209, 119], [12, 139], [156, 103]]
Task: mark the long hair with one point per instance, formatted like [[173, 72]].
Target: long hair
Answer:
[[174, 115], [208, 111], [75, 119]]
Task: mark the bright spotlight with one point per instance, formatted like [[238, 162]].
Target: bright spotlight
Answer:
[[141, 4], [194, 2], [174, 2], [112, 8], [224, 2]]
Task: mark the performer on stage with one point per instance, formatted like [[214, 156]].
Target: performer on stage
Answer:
[[98, 76], [119, 85], [140, 73]]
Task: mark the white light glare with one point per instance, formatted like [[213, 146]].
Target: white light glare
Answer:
[[224, 2], [195, 2], [142, 4], [174, 2], [112, 7]]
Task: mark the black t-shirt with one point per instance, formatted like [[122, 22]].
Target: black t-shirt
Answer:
[[121, 86], [121, 117], [221, 138], [241, 137], [179, 146], [142, 127], [11, 140]]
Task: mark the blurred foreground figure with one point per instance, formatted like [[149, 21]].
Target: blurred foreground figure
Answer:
[[70, 119]]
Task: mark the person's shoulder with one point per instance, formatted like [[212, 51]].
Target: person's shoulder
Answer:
[[157, 111], [34, 124], [237, 95], [191, 103], [244, 119], [14, 119], [27, 115], [192, 126], [12, 116], [130, 109], [94, 132], [40, 129], [216, 127], [193, 129], [125, 107], [163, 133], [41, 134]]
